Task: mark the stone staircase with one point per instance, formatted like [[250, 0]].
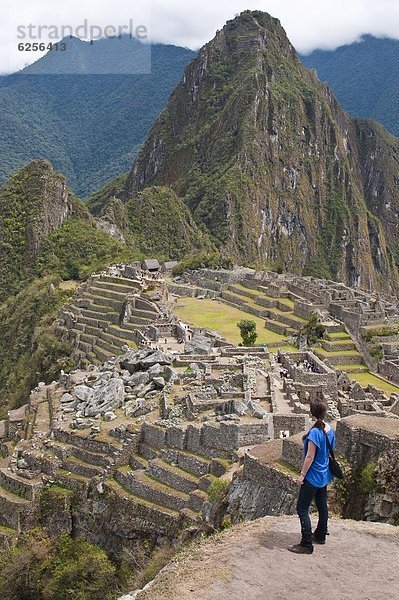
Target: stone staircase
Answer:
[[169, 480], [92, 319], [77, 459]]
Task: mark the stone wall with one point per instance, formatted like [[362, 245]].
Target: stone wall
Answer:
[[389, 369], [211, 440], [261, 490], [363, 438], [292, 423]]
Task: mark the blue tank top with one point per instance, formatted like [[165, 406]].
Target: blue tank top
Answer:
[[319, 473]]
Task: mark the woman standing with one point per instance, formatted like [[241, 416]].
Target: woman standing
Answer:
[[313, 480]]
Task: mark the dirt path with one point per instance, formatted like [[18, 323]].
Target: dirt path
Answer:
[[250, 562]]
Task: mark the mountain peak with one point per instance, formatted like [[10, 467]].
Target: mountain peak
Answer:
[[268, 162]]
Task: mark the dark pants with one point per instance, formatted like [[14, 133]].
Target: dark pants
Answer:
[[306, 495]]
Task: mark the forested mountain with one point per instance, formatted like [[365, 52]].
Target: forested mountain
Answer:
[[364, 76], [89, 126]]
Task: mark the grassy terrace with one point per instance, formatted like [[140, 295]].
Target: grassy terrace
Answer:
[[339, 336], [368, 378], [215, 316], [326, 353]]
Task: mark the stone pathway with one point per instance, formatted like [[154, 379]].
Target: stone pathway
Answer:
[[283, 406]]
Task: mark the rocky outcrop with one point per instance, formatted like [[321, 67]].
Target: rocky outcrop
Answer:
[[271, 165]]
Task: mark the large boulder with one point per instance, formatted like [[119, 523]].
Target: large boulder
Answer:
[[83, 393], [155, 357], [105, 397], [199, 344], [141, 377]]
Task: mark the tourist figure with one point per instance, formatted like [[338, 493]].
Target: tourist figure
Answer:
[[313, 480]]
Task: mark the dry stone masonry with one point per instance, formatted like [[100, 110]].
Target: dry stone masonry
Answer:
[[132, 440]]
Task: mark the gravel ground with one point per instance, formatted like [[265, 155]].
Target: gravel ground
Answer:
[[360, 561]]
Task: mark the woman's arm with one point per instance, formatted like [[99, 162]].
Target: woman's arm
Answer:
[[307, 463]]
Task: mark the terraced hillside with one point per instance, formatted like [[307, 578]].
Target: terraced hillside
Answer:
[[282, 314], [340, 350], [278, 312], [93, 319]]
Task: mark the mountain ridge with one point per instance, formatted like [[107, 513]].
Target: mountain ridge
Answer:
[[266, 159], [88, 126], [364, 76]]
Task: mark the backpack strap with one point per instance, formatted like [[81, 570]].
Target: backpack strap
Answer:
[[331, 451]]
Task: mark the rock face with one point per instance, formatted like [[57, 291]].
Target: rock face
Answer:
[[105, 397], [271, 165]]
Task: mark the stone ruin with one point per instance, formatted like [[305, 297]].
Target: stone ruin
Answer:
[[135, 436]]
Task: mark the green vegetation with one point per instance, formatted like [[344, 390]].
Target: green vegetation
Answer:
[[89, 126], [30, 351], [217, 490], [379, 332], [215, 316], [78, 248], [367, 479], [201, 260], [29, 202], [248, 332], [318, 267], [99, 199], [313, 330], [368, 378], [43, 568], [161, 224]]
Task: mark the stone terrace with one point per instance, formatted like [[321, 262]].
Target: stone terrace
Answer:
[[92, 320]]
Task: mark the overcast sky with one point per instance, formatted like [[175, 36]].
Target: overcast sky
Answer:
[[309, 24]]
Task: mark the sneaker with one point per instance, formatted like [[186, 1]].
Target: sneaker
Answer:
[[317, 540], [299, 549]]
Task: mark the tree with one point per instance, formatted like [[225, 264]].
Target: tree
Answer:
[[248, 332], [313, 329], [44, 568]]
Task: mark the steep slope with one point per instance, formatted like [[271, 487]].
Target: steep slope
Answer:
[[89, 126], [267, 160], [364, 76], [162, 224], [154, 221], [45, 234], [33, 203], [379, 159]]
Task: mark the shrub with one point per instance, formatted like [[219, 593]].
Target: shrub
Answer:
[[202, 260], [217, 490], [63, 568], [313, 330], [367, 479]]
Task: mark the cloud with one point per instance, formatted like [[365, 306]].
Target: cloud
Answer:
[[309, 24]]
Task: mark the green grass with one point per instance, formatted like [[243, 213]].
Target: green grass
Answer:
[[338, 335], [214, 316], [365, 378]]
